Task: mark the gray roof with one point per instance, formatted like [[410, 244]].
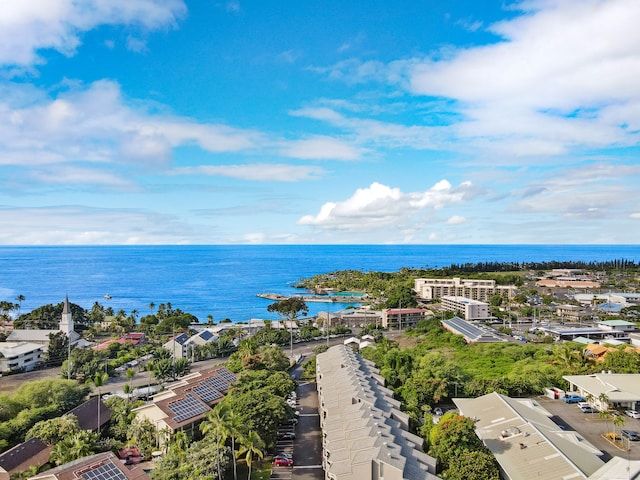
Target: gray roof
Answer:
[[362, 423], [526, 442]]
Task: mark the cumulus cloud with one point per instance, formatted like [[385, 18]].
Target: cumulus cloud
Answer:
[[380, 206], [255, 172], [26, 26]]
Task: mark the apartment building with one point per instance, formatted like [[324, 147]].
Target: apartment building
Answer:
[[20, 356], [400, 318], [470, 309], [364, 432], [482, 290]]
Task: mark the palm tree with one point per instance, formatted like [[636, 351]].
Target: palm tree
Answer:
[[72, 447], [214, 425], [130, 374], [99, 379], [618, 421], [151, 306], [603, 398], [233, 425], [589, 398], [605, 415], [251, 444], [20, 299]]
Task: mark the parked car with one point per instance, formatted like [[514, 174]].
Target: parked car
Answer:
[[573, 398], [588, 409], [631, 435], [287, 435], [282, 462], [632, 413], [438, 411]]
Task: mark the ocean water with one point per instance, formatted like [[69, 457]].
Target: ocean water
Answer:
[[223, 280]]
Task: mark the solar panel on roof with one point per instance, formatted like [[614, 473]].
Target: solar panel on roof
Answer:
[[226, 374], [217, 383], [107, 471], [207, 393], [187, 408], [206, 335]]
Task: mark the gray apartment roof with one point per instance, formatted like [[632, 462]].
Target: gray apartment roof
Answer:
[[363, 423], [526, 442]]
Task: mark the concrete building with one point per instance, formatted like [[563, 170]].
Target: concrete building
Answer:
[[364, 433], [572, 313], [401, 318], [525, 441], [483, 290], [20, 356], [470, 309]]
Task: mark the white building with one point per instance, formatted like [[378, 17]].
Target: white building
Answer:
[[526, 442], [42, 336], [483, 290], [470, 309], [18, 356], [364, 432]]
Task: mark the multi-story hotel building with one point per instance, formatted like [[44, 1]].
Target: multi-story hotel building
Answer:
[[482, 290]]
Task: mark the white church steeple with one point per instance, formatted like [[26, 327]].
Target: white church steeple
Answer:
[[66, 322]]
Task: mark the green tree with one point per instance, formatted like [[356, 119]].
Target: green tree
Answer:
[[74, 446], [58, 349], [99, 379], [451, 436], [214, 426], [251, 444], [473, 465], [52, 431], [290, 308]]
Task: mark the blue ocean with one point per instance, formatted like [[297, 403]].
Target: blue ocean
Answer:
[[223, 280]]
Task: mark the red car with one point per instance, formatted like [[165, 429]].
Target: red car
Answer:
[[282, 462]]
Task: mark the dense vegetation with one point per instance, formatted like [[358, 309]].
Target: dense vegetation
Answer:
[[33, 402], [442, 366]]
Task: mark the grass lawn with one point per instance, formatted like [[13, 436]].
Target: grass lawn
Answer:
[[261, 471]]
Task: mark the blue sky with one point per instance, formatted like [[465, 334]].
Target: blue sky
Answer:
[[171, 122]]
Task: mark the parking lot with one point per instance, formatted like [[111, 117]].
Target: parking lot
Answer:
[[591, 426], [302, 439]]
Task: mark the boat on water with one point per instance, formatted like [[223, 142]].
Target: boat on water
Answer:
[[107, 296]]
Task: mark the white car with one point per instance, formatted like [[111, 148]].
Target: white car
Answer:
[[632, 413]]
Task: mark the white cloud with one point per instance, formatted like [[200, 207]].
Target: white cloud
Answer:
[[255, 172], [456, 220], [635, 215], [542, 89], [136, 44], [561, 78], [321, 147], [27, 26], [96, 124], [380, 206]]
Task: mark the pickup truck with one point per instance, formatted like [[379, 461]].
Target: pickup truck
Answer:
[[572, 398]]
